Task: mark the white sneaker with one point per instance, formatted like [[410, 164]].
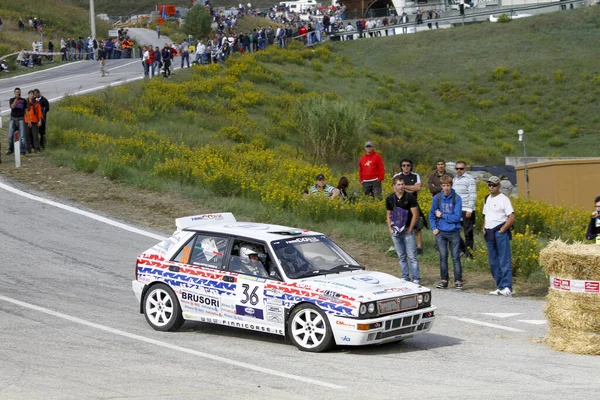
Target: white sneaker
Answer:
[[416, 282], [506, 292], [495, 292]]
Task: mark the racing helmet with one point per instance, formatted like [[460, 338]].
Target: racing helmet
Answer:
[[246, 250]]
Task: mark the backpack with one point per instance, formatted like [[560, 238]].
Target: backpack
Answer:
[[398, 218]]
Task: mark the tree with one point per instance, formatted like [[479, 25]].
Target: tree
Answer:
[[197, 22]]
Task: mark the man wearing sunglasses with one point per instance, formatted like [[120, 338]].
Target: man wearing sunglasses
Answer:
[[498, 218], [412, 185], [464, 186]]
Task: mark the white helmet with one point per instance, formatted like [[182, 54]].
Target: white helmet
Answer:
[[246, 250]]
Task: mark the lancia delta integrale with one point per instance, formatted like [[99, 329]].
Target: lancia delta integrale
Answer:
[[274, 279]]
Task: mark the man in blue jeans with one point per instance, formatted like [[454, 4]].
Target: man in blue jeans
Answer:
[[18, 106], [402, 215], [499, 216], [445, 216]]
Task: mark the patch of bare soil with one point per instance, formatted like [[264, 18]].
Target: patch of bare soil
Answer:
[[159, 211]]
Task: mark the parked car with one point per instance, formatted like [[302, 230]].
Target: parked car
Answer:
[[274, 279]]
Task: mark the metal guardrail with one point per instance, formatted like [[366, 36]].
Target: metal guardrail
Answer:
[[459, 18]]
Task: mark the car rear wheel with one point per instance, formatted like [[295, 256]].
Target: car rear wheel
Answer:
[[309, 329], [161, 308]]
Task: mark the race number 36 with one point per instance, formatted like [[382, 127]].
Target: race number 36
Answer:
[[249, 294]]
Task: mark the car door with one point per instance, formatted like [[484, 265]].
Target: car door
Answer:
[[251, 307], [198, 277]]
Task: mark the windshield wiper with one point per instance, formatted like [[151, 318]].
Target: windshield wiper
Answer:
[[346, 267]]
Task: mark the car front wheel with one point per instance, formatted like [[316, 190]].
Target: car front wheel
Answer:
[[161, 308], [309, 329]]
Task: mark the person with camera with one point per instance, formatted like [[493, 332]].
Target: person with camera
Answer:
[[18, 107], [402, 216]]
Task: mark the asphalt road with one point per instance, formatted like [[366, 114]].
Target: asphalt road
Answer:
[[80, 77], [70, 328]]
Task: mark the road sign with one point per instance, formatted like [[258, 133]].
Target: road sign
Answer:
[[113, 33]]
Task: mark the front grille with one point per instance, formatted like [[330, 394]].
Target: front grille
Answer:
[[402, 322], [383, 335]]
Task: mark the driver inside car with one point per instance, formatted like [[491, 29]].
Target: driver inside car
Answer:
[[293, 262], [250, 256]]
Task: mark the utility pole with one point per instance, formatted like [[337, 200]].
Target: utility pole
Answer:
[[92, 19]]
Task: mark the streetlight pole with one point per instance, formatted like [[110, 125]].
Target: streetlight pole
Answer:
[[92, 19], [522, 139]]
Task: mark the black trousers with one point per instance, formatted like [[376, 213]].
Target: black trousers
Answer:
[[468, 224]]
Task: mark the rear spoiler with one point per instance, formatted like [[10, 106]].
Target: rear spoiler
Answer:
[[203, 219]]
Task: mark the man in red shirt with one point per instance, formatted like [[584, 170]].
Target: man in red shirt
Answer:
[[371, 171]]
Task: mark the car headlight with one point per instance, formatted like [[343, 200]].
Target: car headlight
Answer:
[[363, 309], [427, 297], [420, 298], [371, 308]]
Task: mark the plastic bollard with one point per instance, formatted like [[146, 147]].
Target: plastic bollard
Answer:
[[17, 142]]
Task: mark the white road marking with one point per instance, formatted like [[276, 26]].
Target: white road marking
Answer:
[[43, 70], [473, 321], [502, 315], [82, 212], [169, 345], [534, 321]]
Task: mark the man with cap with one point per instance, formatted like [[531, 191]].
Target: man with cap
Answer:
[[323, 189], [498, 217], [371, 171]]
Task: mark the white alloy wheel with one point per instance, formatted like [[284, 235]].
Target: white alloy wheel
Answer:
[[309, 329], [162, 309]]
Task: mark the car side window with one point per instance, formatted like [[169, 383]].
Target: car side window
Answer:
[[203, 250], [250, 259]]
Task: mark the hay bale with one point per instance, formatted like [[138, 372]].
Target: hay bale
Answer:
[[580, 311], [574, 261], [574, 317], [573, 341]]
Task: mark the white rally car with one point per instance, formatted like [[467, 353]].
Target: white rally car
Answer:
[[274, 279]]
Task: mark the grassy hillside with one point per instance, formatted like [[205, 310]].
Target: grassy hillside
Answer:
[[230, 137], [60, 19]]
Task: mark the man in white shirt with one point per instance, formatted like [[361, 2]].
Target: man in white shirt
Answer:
[[498, 217], [146, 61], [464, 185], [200, 50]]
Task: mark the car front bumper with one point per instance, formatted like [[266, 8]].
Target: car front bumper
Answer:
[[357, 332]]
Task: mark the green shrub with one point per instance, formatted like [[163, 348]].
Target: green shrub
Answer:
[[557, 141], [504, 18], [330, 129], [499, 72], [559, 76]]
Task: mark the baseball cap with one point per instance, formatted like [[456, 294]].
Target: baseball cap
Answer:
[[368, 143], [494, 179], [320, 176]]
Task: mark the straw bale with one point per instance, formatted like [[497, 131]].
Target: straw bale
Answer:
[[573, 341], [579, 311], [571, 261]]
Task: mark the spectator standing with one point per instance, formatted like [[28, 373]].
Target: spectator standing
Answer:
[[146, 61], [444, 218], [185, 54], [350, 31], [166, 60], [63, 49], [593, 230], [465, 187], [200, 49], [371, 171], [158, 30], [21, 25], [157, 61], [433, 181], [412, 184], [33, 119], [45, 105], [18, 107], [1, 24], [50, 50], [402, 216], [404, 20], [498, 218]]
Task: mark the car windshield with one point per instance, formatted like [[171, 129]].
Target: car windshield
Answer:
[[306, 256]]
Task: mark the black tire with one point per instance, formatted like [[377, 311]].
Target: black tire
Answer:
[[309, 330], [162, 309]]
